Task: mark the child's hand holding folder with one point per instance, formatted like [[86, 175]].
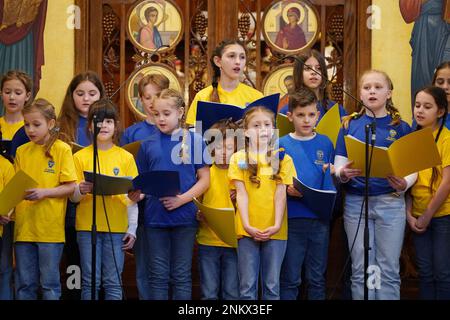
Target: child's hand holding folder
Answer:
[[293, 192]]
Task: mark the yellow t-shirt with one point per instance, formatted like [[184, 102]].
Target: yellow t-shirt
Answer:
[[6, 174], [241, 96], [43, 220], [217, 196], [9, 129], [261, 205], [113, 162], [421, 190]]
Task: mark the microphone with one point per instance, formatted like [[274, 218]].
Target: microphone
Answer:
[[97, 118], [123, 83]]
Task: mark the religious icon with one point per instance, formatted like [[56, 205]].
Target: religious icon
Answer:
[[280, 80], [154, 25], [290, 26], [132, 95]]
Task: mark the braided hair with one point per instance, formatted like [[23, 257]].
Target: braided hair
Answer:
[[390, 108], [218, 52]]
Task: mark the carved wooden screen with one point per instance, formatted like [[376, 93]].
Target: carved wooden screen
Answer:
[[102, 43]]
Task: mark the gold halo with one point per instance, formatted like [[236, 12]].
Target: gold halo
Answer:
[[274, 80], [294, 5], [142, 72], [141, 12]]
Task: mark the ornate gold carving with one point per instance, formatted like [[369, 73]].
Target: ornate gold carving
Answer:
[[19, 12]]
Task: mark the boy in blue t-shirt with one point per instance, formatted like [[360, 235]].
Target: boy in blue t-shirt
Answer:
[[308, 236]]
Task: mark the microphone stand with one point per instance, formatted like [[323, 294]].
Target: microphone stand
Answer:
[[368, 128], [94, 212], [97, 125]]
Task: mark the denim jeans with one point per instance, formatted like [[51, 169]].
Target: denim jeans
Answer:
[[386, 231], [307, 247], [37, 263], [141, 259], [433, 259], [218, 273], [260, 259], [6, 263], [106, 272], [170, 262]]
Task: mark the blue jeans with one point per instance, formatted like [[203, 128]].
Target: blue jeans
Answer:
[[38, 263], [386, 231], [218, 273], [307, 246], [6, 263], [170, 262], [257, 258], [433, 259], [106, 272], [141, 259]]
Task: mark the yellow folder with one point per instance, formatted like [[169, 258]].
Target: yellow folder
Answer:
[[411, 153], [133, 148], [284, 126], [14, 191], [221, 221], [329, 125]]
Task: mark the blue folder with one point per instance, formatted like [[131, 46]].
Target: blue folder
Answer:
[[158, 183], [320, 201], [154, 183], [209, 113]]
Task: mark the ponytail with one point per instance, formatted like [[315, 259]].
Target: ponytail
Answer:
[[54, 135]]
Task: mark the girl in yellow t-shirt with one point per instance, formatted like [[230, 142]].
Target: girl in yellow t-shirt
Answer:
[[260, 174], [228, 61], [39, 227], [116, 218], [217, 260], [6, 174], [16, 89], [428, 206]]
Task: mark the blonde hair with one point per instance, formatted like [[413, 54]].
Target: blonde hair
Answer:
[[179, 103], [271, 153], [390, 108], [47, 110], [160, 81]]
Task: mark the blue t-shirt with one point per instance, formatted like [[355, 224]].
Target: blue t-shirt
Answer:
[[447, 122], [20, 138], [138, 131], [386, 134], [82, 137], [320, 107], [309, 156], [159, 152]]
